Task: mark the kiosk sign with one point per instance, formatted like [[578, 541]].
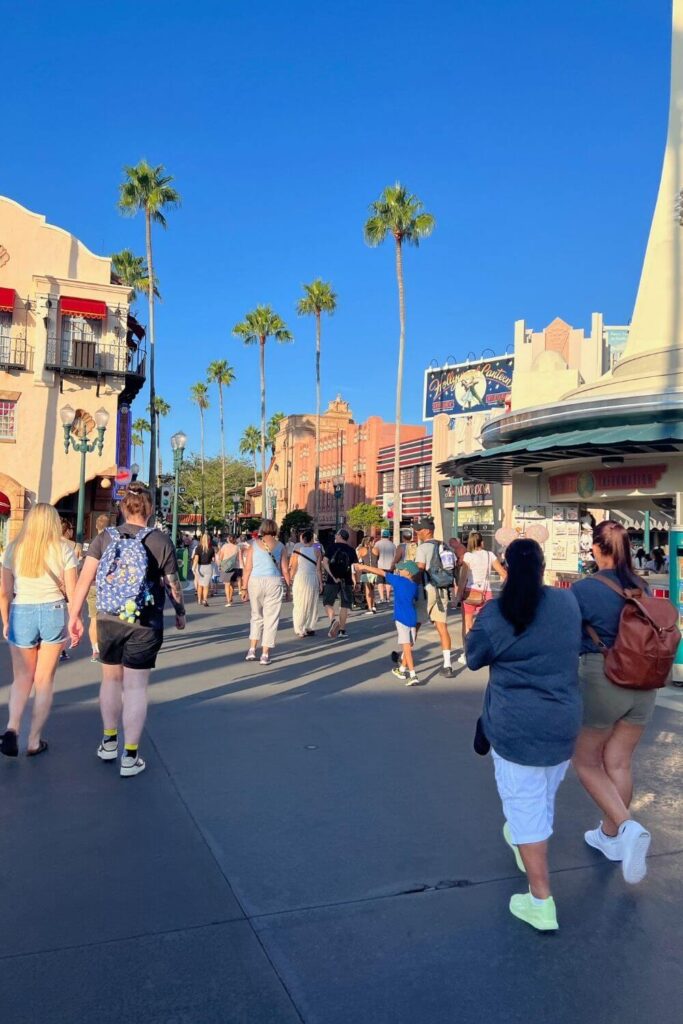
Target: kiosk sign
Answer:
[[468, 387]]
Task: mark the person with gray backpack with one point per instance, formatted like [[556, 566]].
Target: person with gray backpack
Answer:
[[133, 568], [437, 578]]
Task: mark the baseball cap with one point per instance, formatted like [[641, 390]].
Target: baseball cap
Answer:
[[408, 566], [425, 524]]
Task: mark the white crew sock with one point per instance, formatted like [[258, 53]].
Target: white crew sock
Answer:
[[536, 901], [446, 659]]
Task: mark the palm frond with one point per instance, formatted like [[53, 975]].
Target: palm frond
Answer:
[[400, 214], [262, 323], [220, 372], [319, 298], [199, 394]]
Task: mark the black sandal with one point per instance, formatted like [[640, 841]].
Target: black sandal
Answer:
[[40, 749], [9, 745]]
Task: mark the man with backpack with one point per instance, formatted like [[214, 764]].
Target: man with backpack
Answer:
[[437, 577], [133, 567], [337, 564]]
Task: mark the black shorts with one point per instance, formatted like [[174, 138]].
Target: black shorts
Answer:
[[235, 575], [131, 646], [343, 591]]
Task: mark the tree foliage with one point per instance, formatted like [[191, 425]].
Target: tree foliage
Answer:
[[364, 516], [131, 270], [273, 429], [297, 519], [400, 214], [238, 476]]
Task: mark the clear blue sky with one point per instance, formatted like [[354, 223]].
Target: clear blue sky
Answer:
[[532, 129]]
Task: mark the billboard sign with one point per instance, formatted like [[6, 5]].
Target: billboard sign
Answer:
[[468, 387]]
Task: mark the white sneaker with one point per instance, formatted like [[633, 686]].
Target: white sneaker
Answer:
[[462, 660], [251, 655], [108, 750], [132, 766], [635, 842], [610, 846]]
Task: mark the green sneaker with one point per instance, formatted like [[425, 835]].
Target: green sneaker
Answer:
[[515, 849], [543, 917], [400, 673]]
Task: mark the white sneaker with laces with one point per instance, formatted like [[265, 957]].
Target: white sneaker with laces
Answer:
[[108, 750], [132, 766], [251, 655], [610, 846], [635, 842], [462, 660]]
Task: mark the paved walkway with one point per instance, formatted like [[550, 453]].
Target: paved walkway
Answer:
[[314, 842]]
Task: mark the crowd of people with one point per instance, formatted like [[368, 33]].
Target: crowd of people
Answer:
[[549, 700]]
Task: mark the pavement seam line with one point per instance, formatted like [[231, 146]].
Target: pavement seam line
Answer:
[[206, 843]]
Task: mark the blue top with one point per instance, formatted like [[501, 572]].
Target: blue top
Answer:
[[532, 704], [405, 595], [263, 564], [601, 608]]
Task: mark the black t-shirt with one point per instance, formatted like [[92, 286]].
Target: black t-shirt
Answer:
[[161, 561], [341, 557], [205, 557]]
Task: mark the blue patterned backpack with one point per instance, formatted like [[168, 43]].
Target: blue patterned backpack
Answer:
[[121, 582]]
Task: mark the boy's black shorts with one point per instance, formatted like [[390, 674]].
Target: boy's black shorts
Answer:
[[332, 591], [119, 643]]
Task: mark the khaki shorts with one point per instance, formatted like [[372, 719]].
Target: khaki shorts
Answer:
[[605, 703], [92, 603], [437, 604]]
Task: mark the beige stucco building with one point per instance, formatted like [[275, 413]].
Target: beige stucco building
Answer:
[[66, 338]]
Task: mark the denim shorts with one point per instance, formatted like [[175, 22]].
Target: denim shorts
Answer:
[[33, 624]]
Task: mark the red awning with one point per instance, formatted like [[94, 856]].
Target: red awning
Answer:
[[7, 300], [93, 309], [5, 507]]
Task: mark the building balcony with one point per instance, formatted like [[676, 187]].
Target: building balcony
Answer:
[[99, 358], [15, 353]]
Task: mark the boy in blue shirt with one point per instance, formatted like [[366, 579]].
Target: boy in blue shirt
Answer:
[[405, 614]]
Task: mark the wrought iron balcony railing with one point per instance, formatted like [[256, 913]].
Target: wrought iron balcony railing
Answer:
[[95, 358], [14, 352]]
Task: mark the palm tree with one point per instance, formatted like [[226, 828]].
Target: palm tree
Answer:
[[161, 408], [137, 441], [222, 374], [398, 213], [319, 299], [149, 190], [142, 427], [250, 442], [272, 430], [259, 325], [131, 270], [199, 394]]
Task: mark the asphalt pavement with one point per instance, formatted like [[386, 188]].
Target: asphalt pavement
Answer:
[[313, 841]]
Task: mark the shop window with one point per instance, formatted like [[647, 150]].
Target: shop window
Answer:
[[424, 477], [5, 336], [7, 419], [387, 482]]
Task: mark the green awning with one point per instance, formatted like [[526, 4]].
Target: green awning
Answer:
[[495, 465]]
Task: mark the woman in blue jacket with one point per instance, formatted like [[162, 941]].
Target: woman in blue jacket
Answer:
[[530, 637]]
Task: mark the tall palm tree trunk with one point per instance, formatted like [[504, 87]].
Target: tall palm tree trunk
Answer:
[[160, 469], [399, 393], [220, 407], [317, 422], [255, 468], [201, 447], [262, 362], [152, 383]]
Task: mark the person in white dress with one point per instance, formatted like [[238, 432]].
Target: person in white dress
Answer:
[[305, 567]]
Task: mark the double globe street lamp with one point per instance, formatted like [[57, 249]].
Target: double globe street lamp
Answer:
[[178, 442], [80, 444]]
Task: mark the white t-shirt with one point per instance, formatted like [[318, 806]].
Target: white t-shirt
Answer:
[[386, 549], [44, 589], [479, 565]]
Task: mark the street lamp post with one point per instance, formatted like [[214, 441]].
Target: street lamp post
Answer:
[[338, 495], [178, 442], [67, 414], [235, 510]]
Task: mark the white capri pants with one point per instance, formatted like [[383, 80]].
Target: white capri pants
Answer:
[[528, 797], [265, 597]]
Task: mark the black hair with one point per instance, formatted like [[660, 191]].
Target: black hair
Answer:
[[343, 533], [523, 587], [307, 536]]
